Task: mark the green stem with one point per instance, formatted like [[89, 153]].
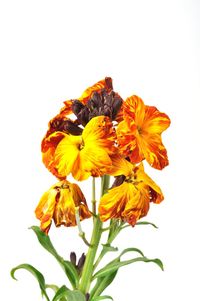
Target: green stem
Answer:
[[94, 243], [81, 232], [93, 196], [111, 236]]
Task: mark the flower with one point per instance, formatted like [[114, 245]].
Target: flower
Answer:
[[59, 203], [130, 200], [139, 134], [82, 155]]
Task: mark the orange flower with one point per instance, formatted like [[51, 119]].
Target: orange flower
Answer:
[[59, 203], [82, 155], [130, 201], [139, 134]]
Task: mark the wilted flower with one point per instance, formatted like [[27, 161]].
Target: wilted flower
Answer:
[[59, 203], [130, 200]]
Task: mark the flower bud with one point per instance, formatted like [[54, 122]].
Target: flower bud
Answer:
[[73, 258]]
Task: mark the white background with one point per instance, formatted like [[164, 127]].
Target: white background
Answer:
[[51, 51]]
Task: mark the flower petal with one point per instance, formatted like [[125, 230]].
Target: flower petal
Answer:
[[154, 151], [113, 203], [45, 209], [134, 110], [155, 122], [67, 153], [100, 131], [48, 147], [105, 83], [156, 194], [120, 166]]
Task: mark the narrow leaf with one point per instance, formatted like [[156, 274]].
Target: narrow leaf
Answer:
[[130, 250], [147, 223], [35, 273], [67, 266], [53, 287], [102, 283], [116, 265], [98, 298]]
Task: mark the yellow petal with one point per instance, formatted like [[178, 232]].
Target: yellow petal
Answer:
[[66, 153]]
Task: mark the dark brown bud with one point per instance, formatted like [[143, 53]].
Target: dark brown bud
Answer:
[[118, 181], [72, 128], [103, 102], [64, 125], [81, 112], [81, 263], [109, 84], [77, 106], [73, 258], [87, 297]]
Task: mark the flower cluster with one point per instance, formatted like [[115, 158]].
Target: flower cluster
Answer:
[[101, 134]]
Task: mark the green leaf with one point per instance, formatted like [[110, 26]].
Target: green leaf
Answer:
[[65, 294], [66, 265], [109, 248], [35, 273], [52, 286], [102, 283], [61, 292], [147, 223], [130, 250], [75, 296], [114, 266], [98, 298]]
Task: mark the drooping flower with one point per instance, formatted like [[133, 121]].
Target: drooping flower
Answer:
[[130, 201], [139, 134], [82, 155], [59, 204]]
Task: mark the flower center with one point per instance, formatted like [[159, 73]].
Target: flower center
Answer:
[[81, 145]]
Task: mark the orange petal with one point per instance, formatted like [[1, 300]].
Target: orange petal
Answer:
[[120, 166], [134, 110], [70, 197], [59, 203], [48, 146], [113, 203], [156, 194], [154, 151], [67, 109], [45, 209], [155, 122], [105, 83]]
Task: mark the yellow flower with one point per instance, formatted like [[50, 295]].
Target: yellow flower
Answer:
[[130, 200], [139, 134], [82, 155], [59, 203]]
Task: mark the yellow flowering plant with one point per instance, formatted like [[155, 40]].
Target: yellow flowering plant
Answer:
[[98, 135]]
